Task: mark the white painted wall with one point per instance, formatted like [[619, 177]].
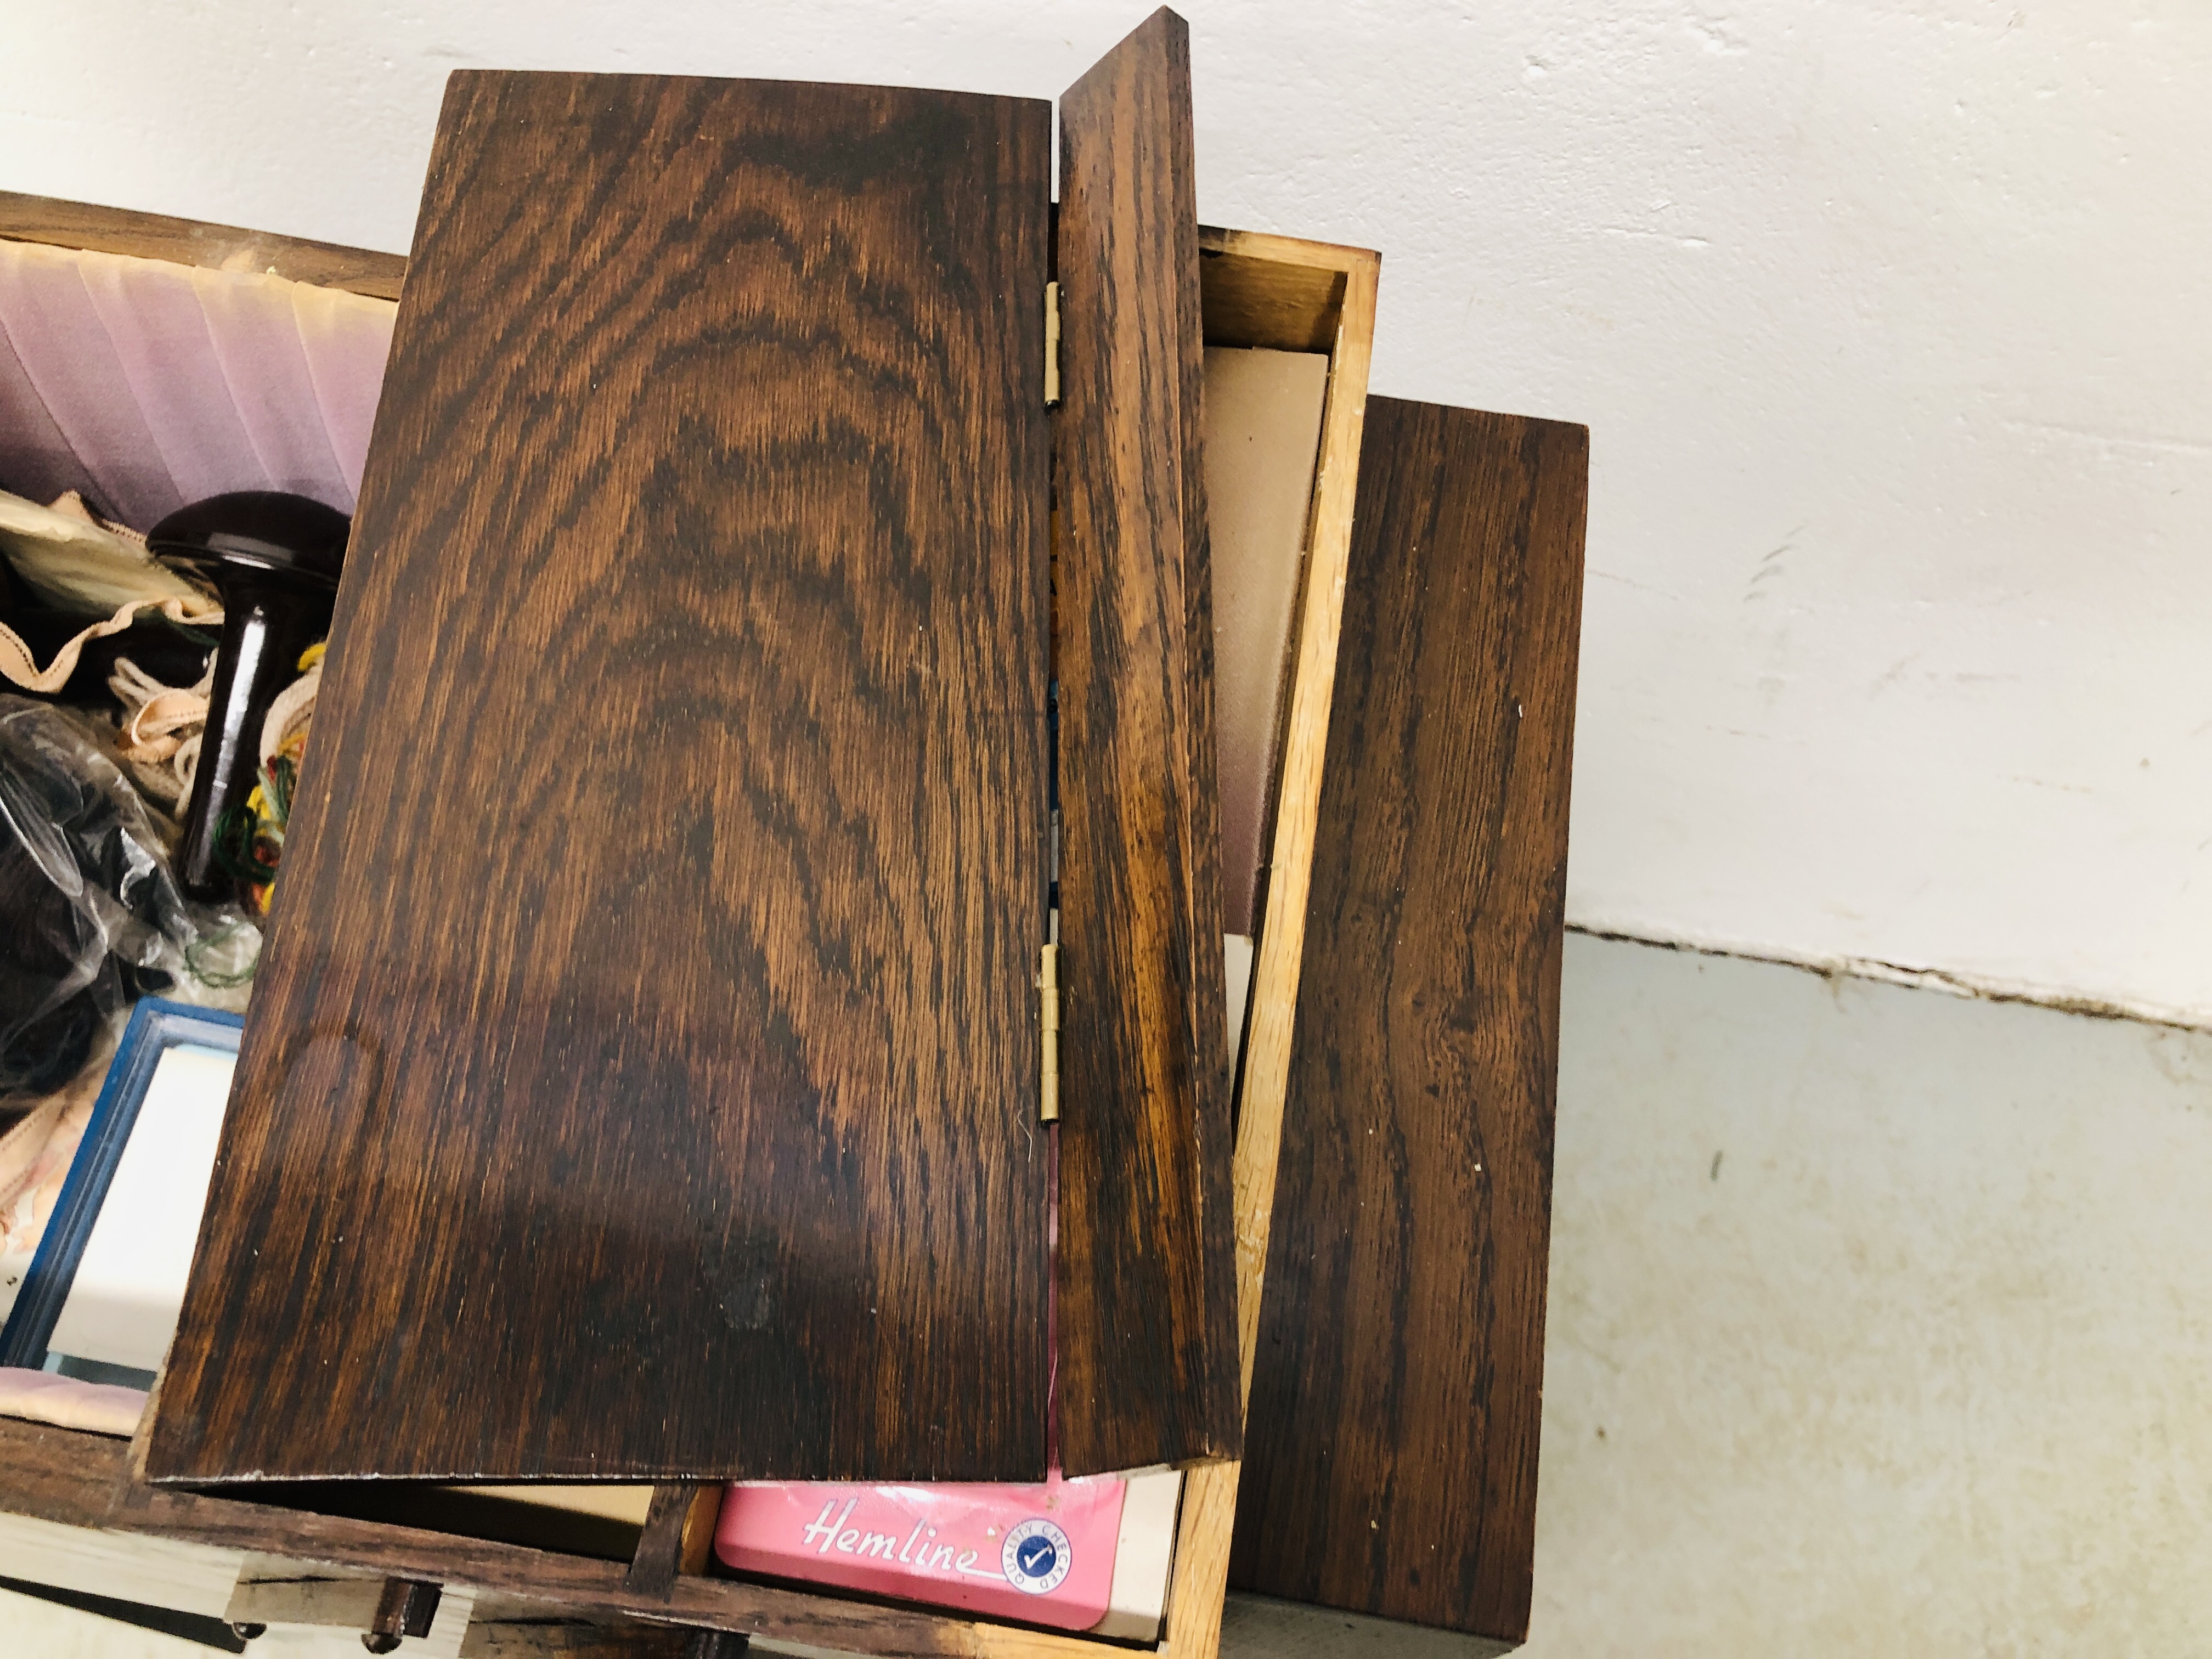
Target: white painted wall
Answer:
[[1888, 318]]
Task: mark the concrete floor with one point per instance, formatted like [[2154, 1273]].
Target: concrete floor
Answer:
[[1881, 1323]]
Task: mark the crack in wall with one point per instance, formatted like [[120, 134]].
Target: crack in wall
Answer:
[[1971, 987]]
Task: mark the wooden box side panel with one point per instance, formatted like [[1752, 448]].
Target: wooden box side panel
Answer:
[[1278, 292], [190, 242], [1209, 1505], [1392, 1452], [83, 1481]]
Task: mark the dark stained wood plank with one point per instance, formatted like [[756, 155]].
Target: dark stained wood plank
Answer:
[[678, 1537], [190, 242], [1147, 1272], [1390, 1460], [642, 1078], [1253, 301], [404, 1606]]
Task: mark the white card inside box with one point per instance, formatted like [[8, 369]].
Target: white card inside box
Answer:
[[130, 1282]]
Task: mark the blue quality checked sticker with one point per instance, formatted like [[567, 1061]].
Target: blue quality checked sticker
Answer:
[[1037, 1557]]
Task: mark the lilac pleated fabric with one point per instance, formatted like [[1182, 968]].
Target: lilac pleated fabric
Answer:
[[146, 385]]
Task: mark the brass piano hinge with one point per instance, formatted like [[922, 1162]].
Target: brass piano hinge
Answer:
[[1049, 1014], [1052, 343]]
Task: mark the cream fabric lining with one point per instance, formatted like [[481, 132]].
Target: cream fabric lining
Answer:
[[77, 563]]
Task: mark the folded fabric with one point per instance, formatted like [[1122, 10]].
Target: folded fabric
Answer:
[[82, 566], [20, 666], [35, 1151], [74, 562], [148, 385], [34, 1162], [94, 1408]]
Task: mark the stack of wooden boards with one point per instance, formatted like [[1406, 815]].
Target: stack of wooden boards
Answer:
[[643, 1080]]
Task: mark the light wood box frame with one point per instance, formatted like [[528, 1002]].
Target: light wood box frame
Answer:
[[1257, 290]]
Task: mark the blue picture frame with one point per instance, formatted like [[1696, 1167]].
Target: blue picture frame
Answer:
[[156, 1026]]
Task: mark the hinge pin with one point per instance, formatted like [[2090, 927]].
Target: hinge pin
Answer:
[[1052, 343], [1048, 1016]]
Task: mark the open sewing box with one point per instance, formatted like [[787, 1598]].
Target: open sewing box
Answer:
[[1258, 295], [1286, 330]]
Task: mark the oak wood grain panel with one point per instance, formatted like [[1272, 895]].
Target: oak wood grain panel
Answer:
[[1391, 1460], [641, 1075], [1146, 1310], [190, 242]]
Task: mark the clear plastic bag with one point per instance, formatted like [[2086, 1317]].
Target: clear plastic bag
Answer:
[[91, 917]]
